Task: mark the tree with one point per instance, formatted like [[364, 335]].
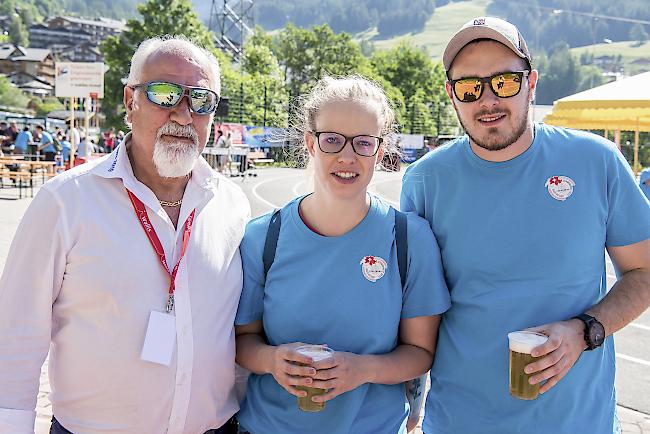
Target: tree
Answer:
[[258, 95], [639, 34], [10, 95], [307, 55], [419, 80], [159, 17], [17, 31], [45, 106]]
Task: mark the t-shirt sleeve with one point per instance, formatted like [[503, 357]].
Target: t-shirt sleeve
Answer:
[[426, 291], [251, 302], [412, 195], [628, 219]]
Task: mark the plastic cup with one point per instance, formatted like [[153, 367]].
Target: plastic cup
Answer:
[[317, 353], [521, 343]]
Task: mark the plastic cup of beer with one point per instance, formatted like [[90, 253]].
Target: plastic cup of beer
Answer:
[[316, 353], [521, 344]]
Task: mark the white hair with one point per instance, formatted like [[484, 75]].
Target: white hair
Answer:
[[178, 45]]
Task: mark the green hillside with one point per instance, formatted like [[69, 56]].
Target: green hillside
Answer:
[[446, 20], [635, 58]]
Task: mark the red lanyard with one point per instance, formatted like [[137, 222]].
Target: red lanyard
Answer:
[[143, 218]]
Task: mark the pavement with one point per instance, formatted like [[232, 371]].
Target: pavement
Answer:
[[12, 210]]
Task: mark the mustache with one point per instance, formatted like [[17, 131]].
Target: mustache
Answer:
[[500, 111], [174, 129]]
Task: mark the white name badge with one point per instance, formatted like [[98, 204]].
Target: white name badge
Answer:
[[160, 339]]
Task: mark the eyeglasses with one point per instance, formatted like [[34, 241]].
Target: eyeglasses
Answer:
[[332, 143], [168, 95], [503, 84]]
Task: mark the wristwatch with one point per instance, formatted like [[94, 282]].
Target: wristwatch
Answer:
[[594, 331]]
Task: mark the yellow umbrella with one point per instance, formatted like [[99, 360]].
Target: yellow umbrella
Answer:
[[620, 105]]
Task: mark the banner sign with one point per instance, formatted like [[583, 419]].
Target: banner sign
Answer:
[[79, 80], [264, 137]]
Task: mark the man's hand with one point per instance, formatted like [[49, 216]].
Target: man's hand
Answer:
[[560, 352], [339, 374], [291, 369]]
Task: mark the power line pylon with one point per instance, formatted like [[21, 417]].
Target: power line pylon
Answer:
[[231, 21]]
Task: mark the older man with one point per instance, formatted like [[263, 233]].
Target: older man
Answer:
[[523, 214], [145, 344]]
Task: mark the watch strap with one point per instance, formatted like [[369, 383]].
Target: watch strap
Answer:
[[588, 320]]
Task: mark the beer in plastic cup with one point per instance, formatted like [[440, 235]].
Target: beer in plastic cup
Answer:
[[521, 344], [317, 353]]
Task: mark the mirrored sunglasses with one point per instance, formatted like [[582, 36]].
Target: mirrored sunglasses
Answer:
[[332, 143], [168, 95], [503, 84]]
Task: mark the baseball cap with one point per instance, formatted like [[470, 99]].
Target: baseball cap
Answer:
[[486, 28]]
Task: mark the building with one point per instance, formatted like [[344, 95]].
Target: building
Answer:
[[37, 62], [56, 38], [84, 52], [72, 31], [30, 84]]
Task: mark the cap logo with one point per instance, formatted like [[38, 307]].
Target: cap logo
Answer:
[[479, 22]]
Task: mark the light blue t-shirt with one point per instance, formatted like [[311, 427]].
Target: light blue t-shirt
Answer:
[[22, 140], [523, 244], [65, 150], [645, 175], [47, 138], [316, 292]]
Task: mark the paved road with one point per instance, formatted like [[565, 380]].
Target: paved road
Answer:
[[273, 188]]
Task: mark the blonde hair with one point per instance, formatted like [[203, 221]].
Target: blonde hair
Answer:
[[354, 88]]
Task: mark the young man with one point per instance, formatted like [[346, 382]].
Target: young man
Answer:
[[523, 213]]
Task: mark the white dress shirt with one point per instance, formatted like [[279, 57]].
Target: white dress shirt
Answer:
[[81, 279]]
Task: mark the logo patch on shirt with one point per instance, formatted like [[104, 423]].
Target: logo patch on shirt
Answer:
[[560, 187], [373, 268]]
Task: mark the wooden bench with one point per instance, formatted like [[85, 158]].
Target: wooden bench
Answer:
[[259, 157], [19, 179]]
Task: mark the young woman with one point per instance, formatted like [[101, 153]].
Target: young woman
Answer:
[[335, 281]]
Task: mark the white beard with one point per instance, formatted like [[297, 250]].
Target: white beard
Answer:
[[175, 159]]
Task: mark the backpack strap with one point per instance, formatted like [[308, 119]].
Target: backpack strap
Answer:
[[402, 246], [401, 243], [271, 242]]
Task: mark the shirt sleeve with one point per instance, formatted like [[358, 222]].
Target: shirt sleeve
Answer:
[[628, 219], [29, 285], [408, 198], [251, 302], [426, 291]]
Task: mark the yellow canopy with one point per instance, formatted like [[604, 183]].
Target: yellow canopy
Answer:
[[620, 105]]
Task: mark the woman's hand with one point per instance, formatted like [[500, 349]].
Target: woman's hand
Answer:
[[291, 369], [339, 374]]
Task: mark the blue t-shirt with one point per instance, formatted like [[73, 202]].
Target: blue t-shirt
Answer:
[[47, 138], [316, 292], [65, 150], [23, 139], [523, 244], [645, 175]]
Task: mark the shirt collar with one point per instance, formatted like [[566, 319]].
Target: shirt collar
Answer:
[[118, 165]]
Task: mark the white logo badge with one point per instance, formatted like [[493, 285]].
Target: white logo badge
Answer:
[[560, 187], [373, 268]]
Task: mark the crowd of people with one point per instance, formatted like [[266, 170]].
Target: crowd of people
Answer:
[[337, 305], [40, 143]]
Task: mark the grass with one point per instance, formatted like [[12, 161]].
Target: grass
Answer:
[[630, 51], [443, 24]]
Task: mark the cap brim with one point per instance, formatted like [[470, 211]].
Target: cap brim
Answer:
[[465, 36]]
